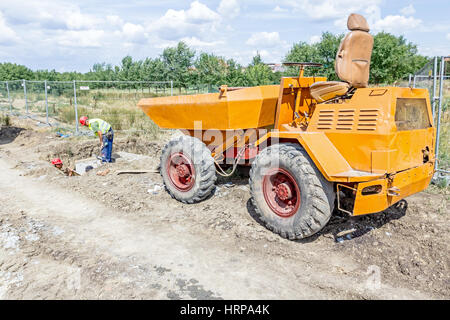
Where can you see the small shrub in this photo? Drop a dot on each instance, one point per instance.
(5, 120)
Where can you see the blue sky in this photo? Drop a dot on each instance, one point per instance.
(73, 35)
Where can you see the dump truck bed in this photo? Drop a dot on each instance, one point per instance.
(252, 107)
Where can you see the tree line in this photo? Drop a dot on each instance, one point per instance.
(393, 58)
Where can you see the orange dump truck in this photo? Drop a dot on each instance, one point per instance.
(313, 145)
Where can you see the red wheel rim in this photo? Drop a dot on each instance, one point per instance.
(281, 192)
(181, 172)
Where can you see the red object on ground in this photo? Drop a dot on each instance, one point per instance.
(56, 161)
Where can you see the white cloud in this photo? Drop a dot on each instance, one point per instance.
(408, 11)
(320, 10)
(199, 13)
(440, 49)
(314, 39)
(267, 56)
(198, 21)
(264, 39)
(80, 38)
(78, 21)
(195, 42)
(7, 35)
(371, 13)
(263, 53)
(278, 9)
(49, 14)
(114, 20)
(229, 8)
(53, 33)
(133, 33)
(396, 24)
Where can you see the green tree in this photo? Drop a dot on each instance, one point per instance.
(257, 73)
(234, 74)
(327, 48)
(177, 62)
(101, 72)
(210, 69)
(323, 52)
(393, 58)
(46, 75)
(130, 70)
(12, 71)
(256, 60)
(153, 70)
(70, 76)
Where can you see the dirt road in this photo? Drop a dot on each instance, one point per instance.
(82, 237)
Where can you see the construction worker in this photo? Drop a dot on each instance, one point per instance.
(103, 130)
(59, 165)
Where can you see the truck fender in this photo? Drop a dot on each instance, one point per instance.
(323, 153)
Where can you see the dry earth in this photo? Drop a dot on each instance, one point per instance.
(121, 236)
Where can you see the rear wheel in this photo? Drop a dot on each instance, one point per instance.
(291, 197)
(188, 170)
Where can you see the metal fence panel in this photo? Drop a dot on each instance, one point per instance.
(435, 76)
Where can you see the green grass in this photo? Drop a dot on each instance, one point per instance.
(5, 120)
(120, 118)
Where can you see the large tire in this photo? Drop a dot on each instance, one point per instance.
(291, 197)
(187, 169)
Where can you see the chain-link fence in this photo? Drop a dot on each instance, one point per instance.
(435, 76)
(59, 103)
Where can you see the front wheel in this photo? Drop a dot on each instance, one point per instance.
(187, 169)
(291, 197)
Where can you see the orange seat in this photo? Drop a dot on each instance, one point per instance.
(352, 63)
(326, 90)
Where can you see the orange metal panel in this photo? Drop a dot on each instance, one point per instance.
(382, 161)
(371, 203)
(407, 182)
(363, 129)
(252, 107)
(286, 102)
(326, 157)
(293, 96)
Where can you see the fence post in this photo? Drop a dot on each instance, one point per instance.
(46, 101)
(414, 83)
(9, 98)
(171, 87)
(438, 129)
(409, 82)
(75, 103)
(434, 86)
(24, 83)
